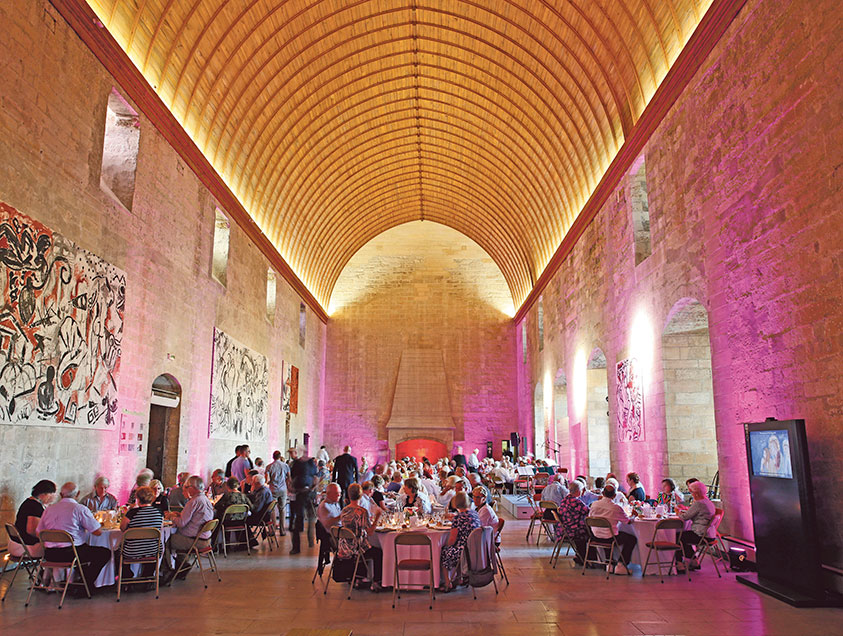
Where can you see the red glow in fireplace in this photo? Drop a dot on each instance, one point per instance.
(419, 448)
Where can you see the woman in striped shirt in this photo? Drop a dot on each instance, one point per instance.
(144, 516)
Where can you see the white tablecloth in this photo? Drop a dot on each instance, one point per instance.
(644, 530)
(111, 539)
(386, 542)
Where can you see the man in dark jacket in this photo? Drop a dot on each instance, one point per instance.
(345, 471)
(459, 458)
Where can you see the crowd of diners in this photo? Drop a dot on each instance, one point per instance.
(322, 492)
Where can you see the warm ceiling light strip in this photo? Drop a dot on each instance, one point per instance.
(711, 28)
(88, 27)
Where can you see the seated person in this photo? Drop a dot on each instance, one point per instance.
(606, 508)
(429, 484)
(69, 515)
(144, 515)
(29, 514)
(669, 495)
(144, 477)
(377, 492)
(161, 502)
(465, 521)
(246, 484)
(636, 490)
(459, 486)
(554, 492)
(448, 490)
(487, 514)
(476, 481)
(261, 498)
(572, 514)
(217, 487)
(700, 513)
(620, 498)
(355, 518)
(395, 484)
(413, 497)
(188, 523)
(99, 498)
(328, 512)
(618, 487)
(232, 496)
(177, 497)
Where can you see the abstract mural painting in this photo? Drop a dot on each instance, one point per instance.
(630, 401)
(239, 391)
(61, 329)
(290, 388)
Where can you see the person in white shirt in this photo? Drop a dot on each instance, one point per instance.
(323, 455)
(488, 517)
(78, 521)
(430, 484)
(413, 496)
(620, 498)
(606, 508)
(329, 510)
(554, 492)
(473, 460)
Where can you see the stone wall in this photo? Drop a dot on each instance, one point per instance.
(52, 120)
(420, 286)
(744, 182)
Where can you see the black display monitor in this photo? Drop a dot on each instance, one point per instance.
(787, 550)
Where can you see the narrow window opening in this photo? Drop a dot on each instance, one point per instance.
(541, 323)
(270, 296)
(120, 150)
(219, 265)
(524, 341)
(639, 202)
(302, 323)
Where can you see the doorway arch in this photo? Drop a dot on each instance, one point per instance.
(561, 425)
(162, 443)
(688, 393)
(539, 426)
(597, 410)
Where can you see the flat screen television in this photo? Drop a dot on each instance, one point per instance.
(770, 453)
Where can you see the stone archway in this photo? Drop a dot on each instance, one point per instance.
(561, 425)
(162, 444)
(688, 394)
(597, 410)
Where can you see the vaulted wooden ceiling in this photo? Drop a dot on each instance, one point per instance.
(333, 121)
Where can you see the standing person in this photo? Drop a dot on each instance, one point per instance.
(303, 504)
(278, 479)
(459, 458)
(473, 461)
(238, 451)
(323, 455)
(242, 465)
(69, 515)
(345, 470)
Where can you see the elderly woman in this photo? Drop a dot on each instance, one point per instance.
(636, 490)
(572, 515)
(29, 514)
(99, 498)
(700, 513)
(161, 502)
(145, 515)
(144, 477)
(669, 495)
(464, 522)
(412, 496)
(177, 496)
(377, 492)
(355, 518)
(217, 487)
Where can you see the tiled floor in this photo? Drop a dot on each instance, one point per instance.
(272, 593)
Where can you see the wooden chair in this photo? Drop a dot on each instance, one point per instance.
(238, 525)
(59, 536)
(26, 561)
(132, 534)
(338, 533)
(670, 525)
(413, 565)
(195, 554)
(501, 523)
(599, 543)
(266, 525)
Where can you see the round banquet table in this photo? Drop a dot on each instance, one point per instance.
(386, 542)
(111, 539)
(644, 530)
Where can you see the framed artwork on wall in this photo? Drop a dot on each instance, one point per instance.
(629, 396)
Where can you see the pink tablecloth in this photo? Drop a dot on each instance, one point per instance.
(111, 539)
(386, 542)
(644, 530)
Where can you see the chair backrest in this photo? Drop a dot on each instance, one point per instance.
(598, 522)
(670, 524)
(267, 513)
(412, 538)
(209, 526)
(501, 523)
(235, 509)
(714, 524)
(58, 536)
(541, 479)
(549, 505)
(13, 533)
(141, 533)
